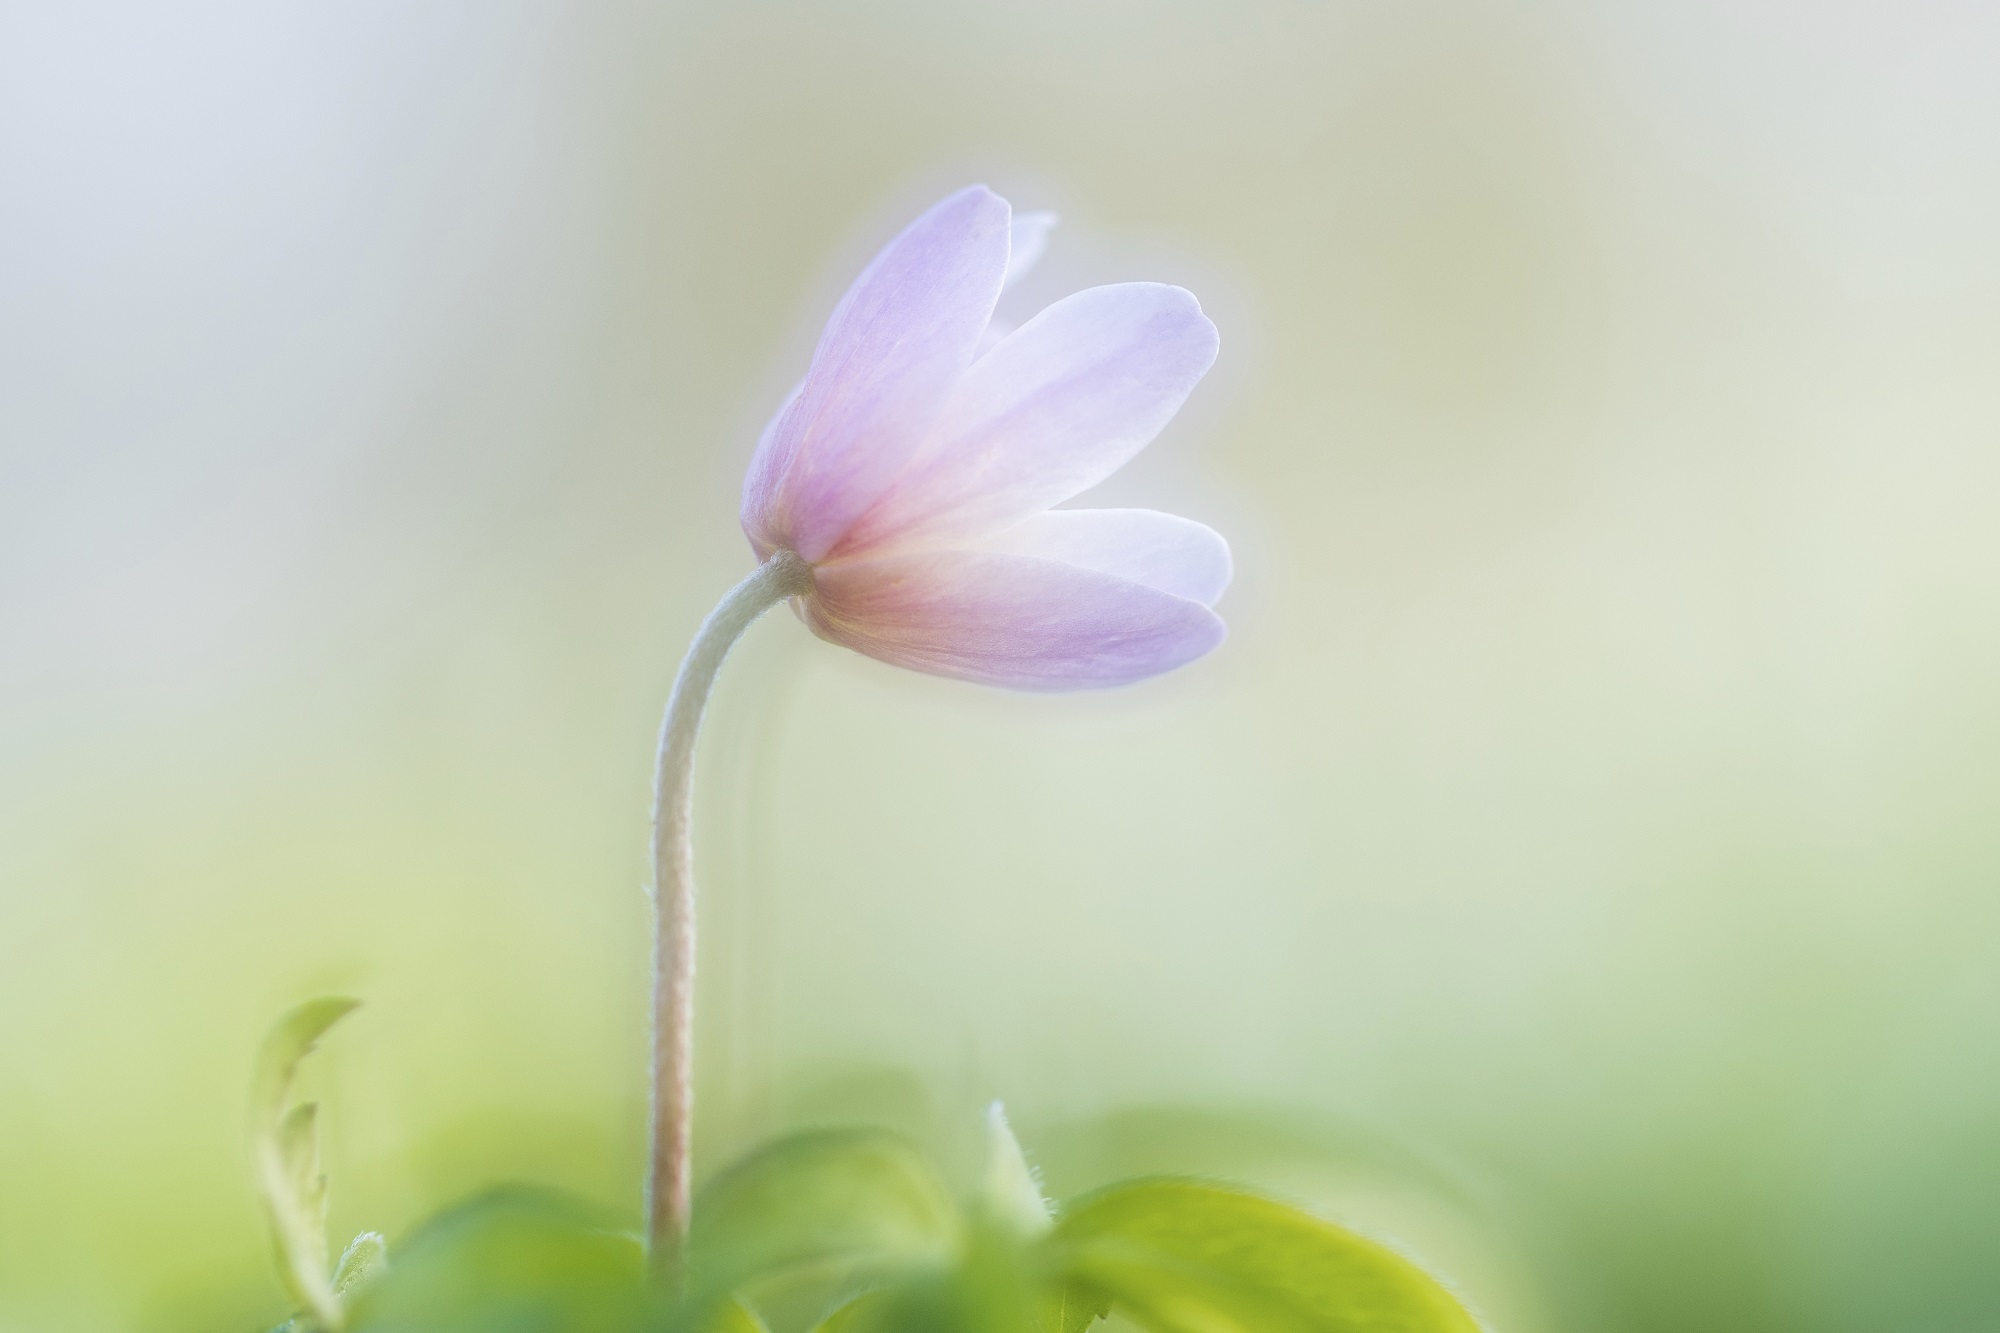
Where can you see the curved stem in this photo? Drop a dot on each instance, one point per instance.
(668, 1175)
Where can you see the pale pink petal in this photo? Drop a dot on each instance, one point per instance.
(1050, 411)
(1008, 620)
(890, 354)
(759, 484)
(1030, 237)
(1163, 551)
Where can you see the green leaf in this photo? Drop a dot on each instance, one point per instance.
(733, 1317)
(1009, 1193)
(365, 1259)
(298, 1153)
(1067, 1307)
(1182, 1257)
(856, 1316)
(988, 1291)
(512, 1261)
(844, 1207)
(285, 1145)
(995, 1288)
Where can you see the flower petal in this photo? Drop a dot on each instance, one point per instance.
(1052, 410)
(760, 484)
(1164, 551)
(1029, 237)
(1009, 620)
(898, 341)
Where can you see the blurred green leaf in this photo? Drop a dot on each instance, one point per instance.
(512, 1261)
(1183, 1257)
(285, 1145)
(854, 1317)
(1067, 1307)
(1009, 1193)
(992, 1288)
(733, 1317)
(832, 1208)
(365, 1259)
(298, 1155)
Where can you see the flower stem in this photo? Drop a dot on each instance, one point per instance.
(668, 1176)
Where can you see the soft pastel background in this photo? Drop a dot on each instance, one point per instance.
(1586, 846)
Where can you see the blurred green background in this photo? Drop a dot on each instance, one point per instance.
(1583, 856)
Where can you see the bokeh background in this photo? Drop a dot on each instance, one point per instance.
(1579, 867)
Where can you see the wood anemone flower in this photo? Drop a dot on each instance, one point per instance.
(915, 468)
(902, 500)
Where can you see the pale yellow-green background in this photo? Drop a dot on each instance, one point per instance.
(1589, 829)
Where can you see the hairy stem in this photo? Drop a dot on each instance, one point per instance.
(669, 1174)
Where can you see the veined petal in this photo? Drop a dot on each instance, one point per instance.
(896, 344)
(1164, 551)
(1028, 238)
(1050, 411)
(1010, 620)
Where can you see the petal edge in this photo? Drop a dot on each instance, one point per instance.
(1010, 620)
(1164, 551)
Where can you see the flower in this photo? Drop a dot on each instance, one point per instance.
(916, 466)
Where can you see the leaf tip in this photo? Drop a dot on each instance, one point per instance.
(1010, 1191)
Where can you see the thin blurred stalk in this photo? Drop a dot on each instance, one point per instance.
(670, 1167)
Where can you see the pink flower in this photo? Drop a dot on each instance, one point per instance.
(915, 468)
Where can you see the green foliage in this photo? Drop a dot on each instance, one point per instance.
(815, 1217)
(365, 1259)
(732, 1316)
(512, 1261)
(834, 1231)
(1009, 1192)
(1179, 1256)
(851, 1232)
(285, 1145)
(1174, 1256)
(1067, 1306)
